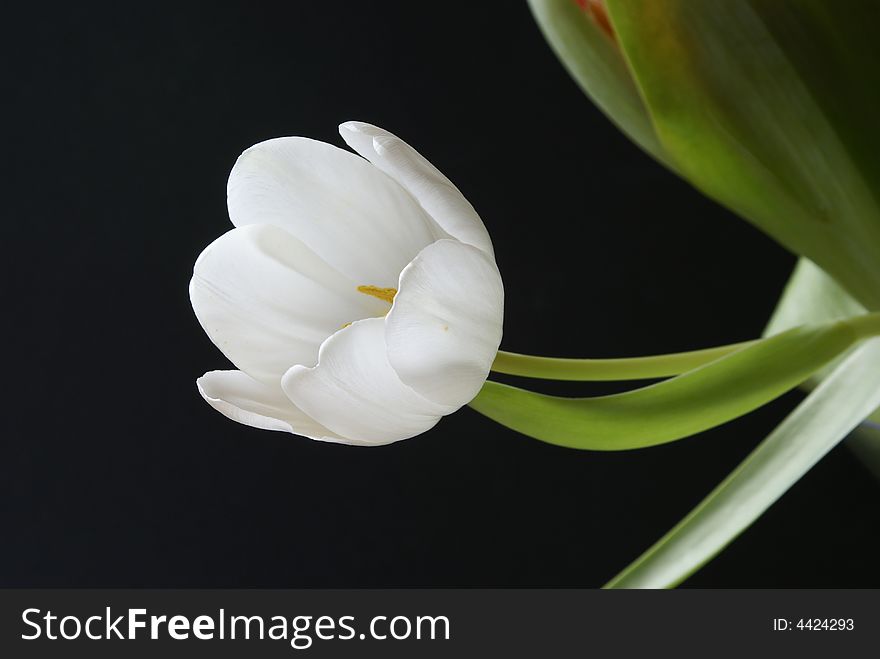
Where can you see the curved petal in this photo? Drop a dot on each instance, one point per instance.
(239, 397)
(354, 391)
(267, 301)
(444, 328)
(348, 212)
(436, 193)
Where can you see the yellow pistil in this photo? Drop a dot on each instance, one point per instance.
(385, 294)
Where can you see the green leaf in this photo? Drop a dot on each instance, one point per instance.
(596, 63)
(811, 296)
(770, 107)
(682, 406)
(825, 417)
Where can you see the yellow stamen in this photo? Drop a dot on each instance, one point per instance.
(385, 294)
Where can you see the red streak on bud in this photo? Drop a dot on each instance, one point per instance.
(597, 11)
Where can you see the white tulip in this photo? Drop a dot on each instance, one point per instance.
(359, 297)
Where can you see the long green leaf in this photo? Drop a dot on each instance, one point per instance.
(827, 415)
(811, 296)
(769, 106)
(690, 403)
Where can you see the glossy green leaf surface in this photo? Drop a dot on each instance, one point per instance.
(825, 417)
(682, 406)
(769, 106)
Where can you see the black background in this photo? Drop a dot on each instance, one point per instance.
(121, 124)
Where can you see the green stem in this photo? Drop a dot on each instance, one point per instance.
(681, 406)
(637, 368)
(627, 368)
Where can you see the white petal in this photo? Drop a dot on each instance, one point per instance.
(268, 302)
(354, 391)
(241, 398)
(436, 193)
(444, 329)
(351, 214)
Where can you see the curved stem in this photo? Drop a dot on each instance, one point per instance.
(627, 368)
(637, 368)
(678, 407)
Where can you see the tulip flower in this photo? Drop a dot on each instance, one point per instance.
(360, 301)
(357, 295)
